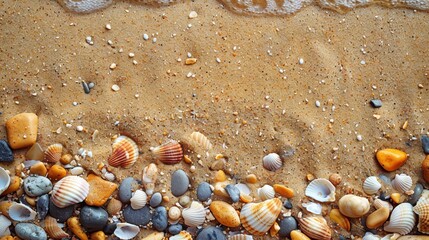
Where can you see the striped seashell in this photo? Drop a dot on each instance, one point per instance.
(201, 140)
(53, 230)
(257, 218)
(4, 180)
(21, 213)
(402, 182)
(272, 162)
(150, 174)
(339, 219)
(126, 230)
(240, 237)
(353, 206)
(138, 200)
(168, 153)
(315, 228)
(371, 185)
(321, 190)
(266, 192)
(69, 190)
(195, 215)
(125, 152)
(422, 209)
(53, 153)
(402, 219)
(378, 203)
(183, 235)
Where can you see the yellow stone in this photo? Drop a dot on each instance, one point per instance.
(414, 237)
(7, 238)
(251, 178)
(245, 198)
(39, 169)
(225, 214)
(22, 130)
(99, 190)
(220, 176)
(15, 184)
(98, 236)
(425, 169)
(56, 172)
(74, 225)
(391, 159)
(66, 159)
(297, 235)
(154, 236)
(274, 229)
(396, 197)
(283, 191)
(377, 218)
(336, 216)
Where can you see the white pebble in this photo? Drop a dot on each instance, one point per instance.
(112, 66)
(301, 61)
(145, 36)
(89, 40)
(79, 128)
(108, 26)
(154, 40)
(317, 103)
(363, 62)
(218, 60)
(115, 87)
(109, 176)
(359, 137)
(76, 171)
(131, 55)
(193, 14)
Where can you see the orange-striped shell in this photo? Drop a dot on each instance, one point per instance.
(315, 228)
(169, 153)
(69, 190)
(53, 230)
(53, 153)
(125, 152)
(257, 218)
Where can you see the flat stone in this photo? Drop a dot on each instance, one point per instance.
(35, 186)
(204, 192)
(61, 214)
(233, 192)
(179, 183)
(29, 231)
(418, 190)
(287, 225)
(425, 144)
(93, 218)
(211, 233)
(376, 103)
(175, 229)
(159, 219)
(139, 217)
(22, 130)
(99, 190)
(35, 153)
(42, 206)
(6, 154)
(155, 200)
(125, 189)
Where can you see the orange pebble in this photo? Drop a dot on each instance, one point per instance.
(66, 159)
(425, 169)
(98, 236)
(284, 191)
(391, 159)
(245, 198)
(39, 169)
(298, 235)
(76, 228)
(396, 197)
(220, 176)
(15, 184)
(251, 178)
(56, 172)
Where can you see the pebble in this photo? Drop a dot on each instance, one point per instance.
(56, 172)
(22, 130)
(125, 189)
(114, 206)
(287, 204)
(377, 218)
(184, 201)
(35, 153)
(79, 128)
(211, 233)
(42, 206)
(425, 169)
(193, 14)
(283, 191)
(29, 231)
(99, 190)
(233, 192)
(155, 200)
(175, 229)
(425, 144)
(86, 88)
(140, 217)
(61, 214)
(204, 192)
(179, 183)
(35, 186)
(93, 218)
(91, 85)
(98, 236)
(145, 36)
(109, 228)
(225, 214)
(6, 154)
(376, 103)
(159, 219)
(287, 225)
(391, 159)
(418, 190)
(298, 235)
(108, 26)
(38, 169)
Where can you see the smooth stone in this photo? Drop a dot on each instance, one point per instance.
(287, 225)
(109, 228)
(179, 183)
(225, 214)
(425, 144)
(99, 190)
(155, 200)
(287, 204)
(42, 206)
(22, 130)
(377, 218)
(418, 190)
(391, 159)
(139, 217)
(6, 154)
(160, 219)
(125, 189)
(61, 214)
(38, 169)
(376, 103)
(35, 153)
(35, 186)
(175, 229)
(233, 192)
(384, 196)
(211, 233)
(93, 218)
(184, 201)
(114, 206)
(29, 231)
(204, 192)
(425, 169)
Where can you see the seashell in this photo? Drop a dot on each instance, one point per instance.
(321, 190)
(21, 213)
(243, 188)
(266, 192)
(195, 215)
(183, 235)
(370, 236)
(313, 207)
(174, 213)
(336, 216)
(126, 230)
(240, 237)
(378, 203)
(422, 209)
(53, 230)
(125, 152)
(53, 153)
(138, 200)
(4, 180)
(4, 226)
(315, 228)
(168, 153)
(69, 190)
(150, 174)
(272, 162)
(371, 185)
(402, 182)
(257, 218)
(353, 206)
(402, 219)
(201, 140)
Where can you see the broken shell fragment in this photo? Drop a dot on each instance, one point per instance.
(168, 153)
(53, 153)
(4, 180)
(150, 174)
(195, 215)
(371, 185)
(183, 235)
(126, 230)
(201, 140)
(240, 237)
(315, 227)
(402, 219)
(321, 190)
(313, 207)
(353, 206)
(402, 182)
(53, 230)
(21, 213)
(69, 190)
(125, 152)
(257, 218)
(378, 203)
(272, 162)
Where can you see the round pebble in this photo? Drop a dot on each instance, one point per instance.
(29, 231)
(93, 218)
(425, 144)
(418, 190)
(376, 103)
(204, 191)
(91, 85)
(125, 189)
(42, 206)
(155, 200)
(35, 186)
(287, 204)
(287, 225)
(233, 192)
(184, 201)
(159, 219)
(211, 233)
(175, 229)
(139, 217)
(6, 154)
(179, 183)
(61, 214)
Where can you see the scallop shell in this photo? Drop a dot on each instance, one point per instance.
(53, 153)
(150, 174)
(340, 219)
(402, 219)
(169, 153)
(4, 226)
(371, 185)
(370, 236)
(272, 162)
(53, 230)
(315, 228)
(378, 203)
(69, 190)
(402, 182)
(422, 209)
(138, 200)
(201, 140)
(21, 213)
(4, 180)
(195, 215)
(257, 218)
(266, 192)
(321, 190)
(126, 230)
(240, 237)
(125, 152)
(353, 206)
(183, 235)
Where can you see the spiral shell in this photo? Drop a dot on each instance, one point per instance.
(378, 203)
(138, 200)
(402, 182)
(69, 190)
(240, 237)
(402, 219)
(125, 152)
(321, 190)
(174, 213)
(353, 206)
(183, 235)
(266, 192)
(126, 230)
(257, 218)
(21, 213)
(315, 228)
(150, 174)
(4, 180)
(422, 209)
(272, 162)
(339, 219)
(53, 230)
(53, 153)
(371, 185)
(195, 215)
(201, 140)
(168, 153)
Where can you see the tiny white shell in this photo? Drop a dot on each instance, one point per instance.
(195, 215)
(321, 190)
(150, 174)
(402, 182)
(21, 212)
(4, 226)
(126, 230)
(370, 236)
(402, 219)
(174, 214)
(272, 162)
(201, 140)
(313, 207)
(4, 180)
(138, 200)
(266, 192)
(243, 188)
(371, 185)
(378, 203)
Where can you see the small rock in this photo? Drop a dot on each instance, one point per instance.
(225, 214)
(287, 225)
(184, 201)
(159, 219)
(42, 206)
(56, 172)
(38, 169)
(175, 229)
(22, 130)
(93, 218)
(425, 144)
(418, 190)
(114, 206)
(377, 218)
(193, 14)
(155, 200)
(109, 228)
(179, 183)
(76, 228)
(99, 190)
(29, 231)
(140, 217)
(204, 192)
(233, 192)
(85, 87)
(35, 153)
(6, 154)
(391, 159)
(287, 204)
(211, 233)
(376, 103)
(425, 169)
(61, 214)
(125, 189)
(35, 186)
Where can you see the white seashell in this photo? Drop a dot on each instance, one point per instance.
(370, 236)
(150, 174)
(321, 190)
(201, 140)
(240, 237)
(4, 226)
(402, 219)
(174, 213)
(183, 235)
(76, 171)
(195, 215)
(138, 200)
(69, 190)
(371, 185)
(313, 207)
(4, 180)
(126, 230)
(353, 206)
(378, 203)
(257, 218)
(402, 182)
(243, 188)
(21, 213)
(266, 192)
(272, 162)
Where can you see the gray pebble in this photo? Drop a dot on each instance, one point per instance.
(418, 189)
(204, 192)
(35, 186)
(287, 225)
(233, 192)
(287, 204)
(62, 214)
(175, 229)
(139, 217)
(376, 103)
(155, 200)
(125, 189)
(93, 218)
(184, 201)
(425, 144)
(85, 87)
(211, 233)
(160, 219)
(29, 231)
(91, 85)
(42, 206)
(6, 154)
(109, 228)
(179, 183)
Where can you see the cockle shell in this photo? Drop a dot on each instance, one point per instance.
(315, 228)
(402, 219)
(201, 140)
(240, 237)
(266, 192)
(138, 200)
(21, 213)
(150, 174)
(125, 152)
(371, 185)
(4, 180)
(422, 209)
(321, 190)
(272, 162)
(69, 190)
(402, 182)
(339, 219)
(4, 226)
(195, 215)
(53, 230)
(53, 153)
(168, 153)
(353, 206)
(183, 235)
(378, 203)
(257, 218)
(126, 230)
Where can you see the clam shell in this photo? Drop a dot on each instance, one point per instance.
(321, 190)
(183, 235)
(138, 200)
(243, 188)
(201, 140)
(371, 185)
(53, 230)
(150, 174)
(257, 218)
(378, 203)
(353, 206)
(315, 228)
(272, 162)
(4, 180)
(266, 192)
(126, 230)
(402, 182)
(240, 237)
(195, 215)
(422, 209)
(53, 153)
(125, 152)
(21, 213)
(169, 153)
(69, 190)
(313, 207)
(402, 219)
(4, 226)
(340, 219)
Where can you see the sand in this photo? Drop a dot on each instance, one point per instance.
(257, 99)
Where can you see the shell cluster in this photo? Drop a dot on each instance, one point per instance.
(125, 152)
